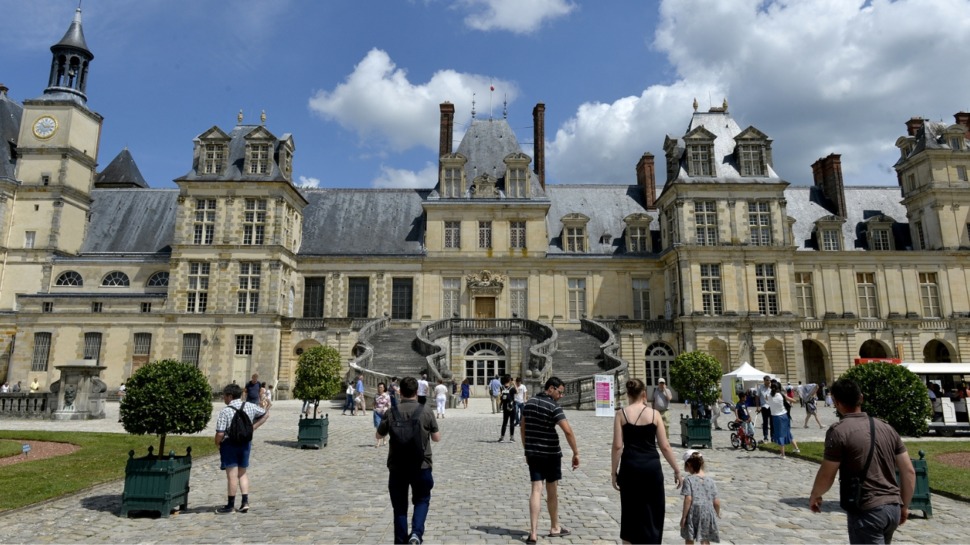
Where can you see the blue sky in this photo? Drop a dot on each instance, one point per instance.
(358, 82)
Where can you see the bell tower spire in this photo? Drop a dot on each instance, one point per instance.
(69, 66)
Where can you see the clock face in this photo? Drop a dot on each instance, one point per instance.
(45, 126)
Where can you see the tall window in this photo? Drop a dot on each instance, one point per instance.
(577, 298)
(450, 297)
(452, 183)
(314, 290)
(705, 216)
(92, 346)
(42, 351)
(402, 299)
(142, 350)
(516, 183)
(198, 292)
(30, 238)
(248, 295)
(244, 345)
(962, 173)
(641, 299)
(452, 234)
(831, 240)
(805, 295)
(575, 239)
(254, 221)
(700, 160)
(191, 344)
(358, 298)
(711, 289)
(519, 297)
(484, 234)
(212, 159)
(517, 234)
(929, 292)
(880, 240)
(920, 235)
(759, 223)
(639, 239)
(767, 289)
(205, 221)
(258, 158)
(752, 160)
(866, 288)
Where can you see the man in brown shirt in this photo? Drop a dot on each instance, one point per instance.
(884, 504)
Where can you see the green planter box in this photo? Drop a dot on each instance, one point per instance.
(313, 432)
(921, 492)
(156, 484)
(695, 432)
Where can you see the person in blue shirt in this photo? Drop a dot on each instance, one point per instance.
(741, 409)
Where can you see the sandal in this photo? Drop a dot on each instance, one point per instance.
(530, 541)
(563, 531)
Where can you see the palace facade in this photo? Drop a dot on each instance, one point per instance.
(238, 270)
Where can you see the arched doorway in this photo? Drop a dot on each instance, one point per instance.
(775, 358)
(873, 349)
(719, 350)
(936, 352)
(659, 356)
(484, 360)
(815, 363)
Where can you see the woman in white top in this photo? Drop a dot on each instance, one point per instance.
(780, 420)
(440, 397)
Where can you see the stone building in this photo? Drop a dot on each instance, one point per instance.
(238, 270)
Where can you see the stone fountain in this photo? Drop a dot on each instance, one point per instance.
(80, 391)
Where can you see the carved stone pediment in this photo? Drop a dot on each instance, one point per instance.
(485, 283)
(484, 187)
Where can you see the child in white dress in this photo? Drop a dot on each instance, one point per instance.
(702, 507)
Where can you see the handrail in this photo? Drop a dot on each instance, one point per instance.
(581, 392)
(364, 356)
(27, 405)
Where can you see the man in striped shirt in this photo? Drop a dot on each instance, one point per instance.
(540, 416)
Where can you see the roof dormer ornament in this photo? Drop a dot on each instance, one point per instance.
(724, 104)
(695, 104)
(262, 117)
(239, 118)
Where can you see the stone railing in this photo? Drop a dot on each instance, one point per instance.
(364, 356)
(581, 392)
(320, 324)
(21, 405)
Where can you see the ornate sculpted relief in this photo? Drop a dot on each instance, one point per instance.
(485, 283)
(484, 187)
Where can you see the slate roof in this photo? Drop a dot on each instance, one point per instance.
(10, 112)
(131, 221)
(363, 222)
(861, 203)
(931, 136)
(121, 172)
(234, 170)
(605, 205)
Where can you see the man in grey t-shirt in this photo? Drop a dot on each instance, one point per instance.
(661, 400)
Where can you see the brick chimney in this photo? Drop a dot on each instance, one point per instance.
(963, 118)
(539, 142)
(827, 172)
(447, 128)
(646, 179)
(914, 125)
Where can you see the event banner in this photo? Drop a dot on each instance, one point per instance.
(604, 395)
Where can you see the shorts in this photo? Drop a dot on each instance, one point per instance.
(231, 455)
(547, 469)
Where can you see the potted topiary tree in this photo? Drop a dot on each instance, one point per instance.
(317, 377)
(695, 376)
(163, 397)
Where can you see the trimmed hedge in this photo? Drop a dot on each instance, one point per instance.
(895, 394)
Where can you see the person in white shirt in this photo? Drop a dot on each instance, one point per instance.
(521, 396)
(440, 398)
(423, 388)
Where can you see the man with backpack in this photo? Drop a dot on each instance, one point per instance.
(411, 430)
(234, 437)
(507, 402)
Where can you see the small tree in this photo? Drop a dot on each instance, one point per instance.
(895, 394)
(695, 376)
(318, 375)
(164, 397)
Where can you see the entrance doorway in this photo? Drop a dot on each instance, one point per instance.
(484, 360)
(484, 307)
(814, 362)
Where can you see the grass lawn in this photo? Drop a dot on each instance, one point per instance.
(944, 479)
(9, 448)
(101, 459)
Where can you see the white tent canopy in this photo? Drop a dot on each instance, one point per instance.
(746, 374)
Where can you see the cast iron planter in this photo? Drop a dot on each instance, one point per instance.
(313, 432)
(695, 432)
(156, 484)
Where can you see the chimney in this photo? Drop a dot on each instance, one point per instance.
(827, 172)
(914, 125)
(3, 90)
(646, 179)
(963, 118)
(539, 142)
(447, 128)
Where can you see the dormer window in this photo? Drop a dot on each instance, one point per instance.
(700, 159)
(517, 176)
(831, 240)
(452, 175)
(637, 233)
(257, 158)
(880, 233)
(956, 143)
(574, 233)
(752, 160)
(213, 158)
(828, 231)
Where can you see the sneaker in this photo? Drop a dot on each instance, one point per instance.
(511, 440)
(225, 510)
(414, 539)
(500, 439)
(244, 508)
(796, 451)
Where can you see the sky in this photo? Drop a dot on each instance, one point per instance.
(358, 82)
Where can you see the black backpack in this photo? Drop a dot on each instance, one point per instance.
(508, 399)
(406, 441)
(240, 429)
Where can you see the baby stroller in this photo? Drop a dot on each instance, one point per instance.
(744, 436)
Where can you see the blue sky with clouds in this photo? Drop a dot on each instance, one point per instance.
(358, 83)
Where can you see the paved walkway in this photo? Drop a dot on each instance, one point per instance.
(338, 494)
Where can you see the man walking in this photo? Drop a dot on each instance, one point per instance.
(848, 443)
(507, 401)
(494, 389)
(234, 456)
(540, 416)
(764, 393)
(661, 400)
(521, 395)
(423, 388)
(409, 466)
(252, 389)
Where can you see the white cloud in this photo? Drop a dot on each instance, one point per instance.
(401, 178)
(378, 101)
(308, 182)
(518, 16)
(817, 76)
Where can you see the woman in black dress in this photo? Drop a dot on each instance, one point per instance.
(637, 432)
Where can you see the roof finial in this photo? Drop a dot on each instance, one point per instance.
(473, 105)
(505, 107)
(695, 104)
(239, 118)
(724, 104)
(262, 117)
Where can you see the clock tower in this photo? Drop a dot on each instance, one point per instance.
(57, 153)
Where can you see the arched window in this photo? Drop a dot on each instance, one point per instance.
(115, 279)
(158, 280)
(484, 360)
(659, 357)
(69, 278)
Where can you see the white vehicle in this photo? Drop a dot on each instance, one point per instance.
(949, 416)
